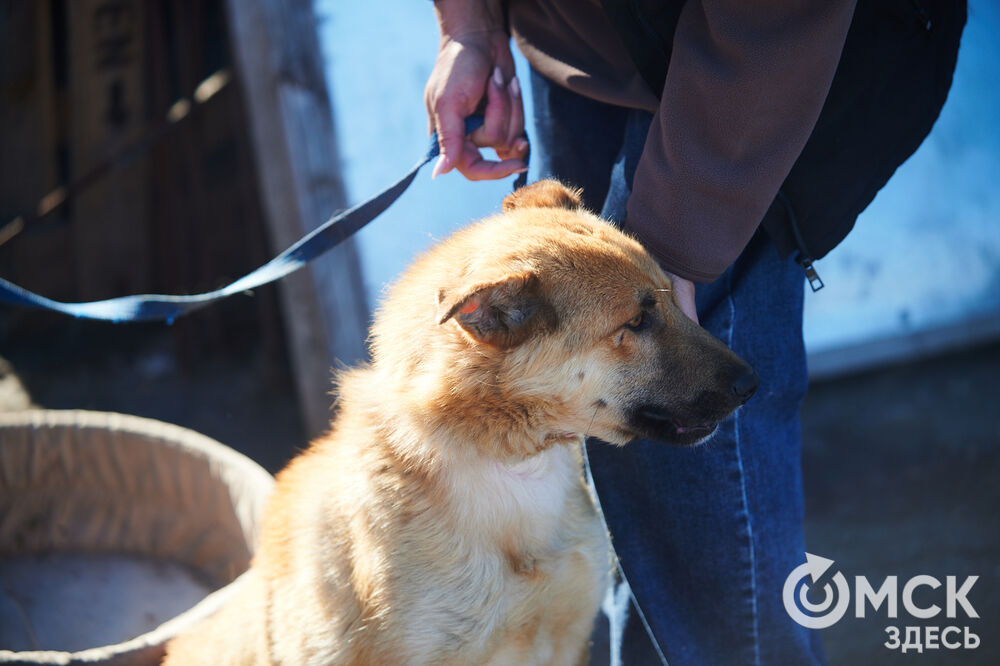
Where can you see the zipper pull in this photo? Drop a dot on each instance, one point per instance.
(802, 258)
(815, 282)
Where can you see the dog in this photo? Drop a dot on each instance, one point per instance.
(444, 518)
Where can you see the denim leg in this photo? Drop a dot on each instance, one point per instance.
(706, 535)
(575, 139)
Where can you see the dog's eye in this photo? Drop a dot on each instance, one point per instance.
(636, 323)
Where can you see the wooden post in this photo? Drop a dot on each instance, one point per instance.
(25, 95)
(276, 52)
(108, 113)
(32, 132)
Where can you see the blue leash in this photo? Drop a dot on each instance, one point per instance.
(160, 307)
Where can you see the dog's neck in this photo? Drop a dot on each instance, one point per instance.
(506, 484)
(521, 449)
(500, 427)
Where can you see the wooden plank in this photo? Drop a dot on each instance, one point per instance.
(21, 165)
(207, 220)
(51, 96)
(108, 114)
(278, 63)
(40, 256)
(179, 215)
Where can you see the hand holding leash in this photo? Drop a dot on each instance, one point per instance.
(474, 72)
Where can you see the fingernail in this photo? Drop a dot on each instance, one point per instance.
(523, 169)
(497, 77)
(438, 168)
(515, 87)
(521, 144)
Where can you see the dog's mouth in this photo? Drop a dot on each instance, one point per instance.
(656, 422)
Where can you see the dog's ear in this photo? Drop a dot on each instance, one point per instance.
(543, 194)
(502, 313)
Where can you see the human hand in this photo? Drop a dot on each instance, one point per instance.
(474, 63)
(683, 291)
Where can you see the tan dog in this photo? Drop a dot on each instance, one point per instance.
(443, 520)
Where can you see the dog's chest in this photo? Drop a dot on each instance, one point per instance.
(528, 497)
(537, 558)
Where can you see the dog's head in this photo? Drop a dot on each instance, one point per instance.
(546, 323)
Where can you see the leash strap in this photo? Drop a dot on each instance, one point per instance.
(160, 307)
(616, 646)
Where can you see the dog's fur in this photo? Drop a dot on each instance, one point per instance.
(443, 519)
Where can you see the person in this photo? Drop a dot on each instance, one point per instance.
(738, 142)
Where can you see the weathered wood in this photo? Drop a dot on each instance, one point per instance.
(206, 217)
(31, 131)
(277, 56)
(21, 87)
(40, 257)
(108, 113)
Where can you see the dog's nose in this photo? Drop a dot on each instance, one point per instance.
(745, 385)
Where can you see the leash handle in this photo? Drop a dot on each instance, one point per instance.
(162, 307)
(472, 123)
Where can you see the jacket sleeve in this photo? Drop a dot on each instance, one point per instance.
(744, 88)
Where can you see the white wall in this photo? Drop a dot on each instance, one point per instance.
(924, 257)
(922, 266)
(379, 55)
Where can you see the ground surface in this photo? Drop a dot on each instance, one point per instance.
(902, 477)
(902, 465)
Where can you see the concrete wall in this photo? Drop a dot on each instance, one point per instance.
(921, 270)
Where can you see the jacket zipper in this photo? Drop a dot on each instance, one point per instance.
(803, 258)
(806, 262)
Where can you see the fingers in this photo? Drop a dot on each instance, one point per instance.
(516, 146)
(474, 167)
(502, 130)
(684, 296)
(493, 132)
(503, 119)
(688, 307)
(451, 137)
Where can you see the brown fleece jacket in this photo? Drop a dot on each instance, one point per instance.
(743, 90)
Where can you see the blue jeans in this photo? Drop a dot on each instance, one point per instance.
(705, 536)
